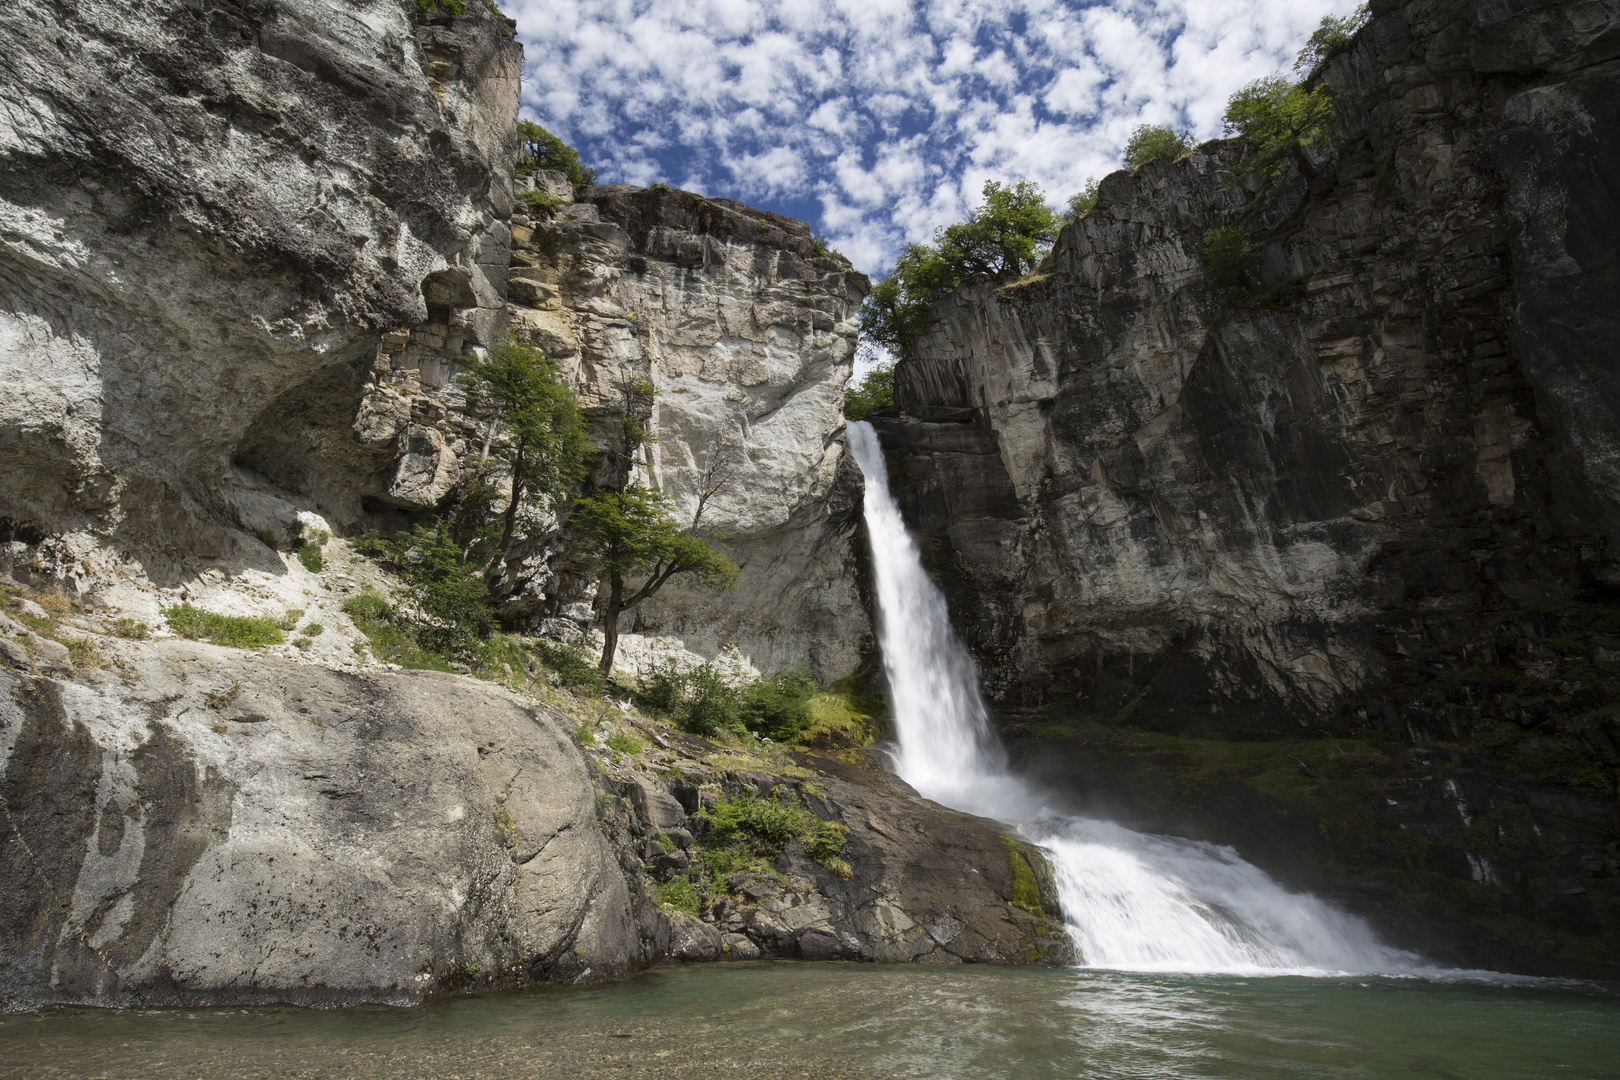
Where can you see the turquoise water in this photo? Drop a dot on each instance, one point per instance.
(845, 1020)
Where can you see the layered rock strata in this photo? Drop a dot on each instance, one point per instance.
(1368, 492)
(211, 214)
(747, 335)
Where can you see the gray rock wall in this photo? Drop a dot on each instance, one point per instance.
(211, 826)
(748, 337)
(211, 216)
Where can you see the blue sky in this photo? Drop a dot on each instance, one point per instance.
(879, 120)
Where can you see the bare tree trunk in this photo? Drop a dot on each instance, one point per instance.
(610, 623)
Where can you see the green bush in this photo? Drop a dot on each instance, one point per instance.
(310, 555)
(762, 826)
(678, 894)
(1230, 257)
(1155, 142)
(710, 706)
(697, 698)
(539, 200)
(242, 633)
(778, 706)
(623, 742)
(1004, 237)
(1331, 38)
(662, 689)
(368, 606)
(1082, 202)
(1280, 120)
(540, 149)
(874, 391)
(573, 666)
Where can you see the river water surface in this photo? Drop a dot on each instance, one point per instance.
(857, 1020)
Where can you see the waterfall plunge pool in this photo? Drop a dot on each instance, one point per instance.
(854, 1020)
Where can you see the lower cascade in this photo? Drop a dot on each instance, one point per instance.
(1132, 901)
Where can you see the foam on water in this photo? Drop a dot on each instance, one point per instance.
(1132, 901)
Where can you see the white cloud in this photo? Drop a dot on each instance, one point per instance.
(880, 119)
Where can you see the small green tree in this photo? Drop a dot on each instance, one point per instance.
(631, 533)
(1230, 257)
(628, 526)
(540, 149)
(1081, 202)
(1330, 38)
(1280, 119)
(1005, 236)
(872, 392)
(542, 447)
(1155, 142)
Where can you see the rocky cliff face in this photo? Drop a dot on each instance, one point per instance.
(211, 215)
(1372, 495)
(748, 337)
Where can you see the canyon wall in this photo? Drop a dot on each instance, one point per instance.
(1369, 494)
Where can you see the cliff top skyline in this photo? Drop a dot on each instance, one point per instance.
(879, 120)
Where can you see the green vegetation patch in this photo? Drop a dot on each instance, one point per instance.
(573, 666)
(1025, 893)
(679, 894)
(237, 632)
(374, 617)
(1155, 142)
(746, 825)
(874, 391)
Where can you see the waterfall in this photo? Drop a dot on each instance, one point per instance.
(1132, 900)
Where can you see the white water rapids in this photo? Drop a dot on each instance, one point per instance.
(1132, 901)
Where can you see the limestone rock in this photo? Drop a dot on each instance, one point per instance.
(223, 827)
(210, 221)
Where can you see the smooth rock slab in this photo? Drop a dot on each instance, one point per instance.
(220, 826)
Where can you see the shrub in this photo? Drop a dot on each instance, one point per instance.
(241, 633)
(874, 391)
(778, 706)
(539, 200)
(710, 706)
(368, 606)
(1005, 236)
(540, 149)
(131, 628)
(622, 742)
(662, 689)
(764, 825)
(1331, 38)
(314, 629)
(452, 605)
(1155, 142)
(1082, 202)
(1230, 257)
(573, 666)
(310, 555)
(1280, 120)
(678, 894)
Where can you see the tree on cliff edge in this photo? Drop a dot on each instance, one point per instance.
(1005, 236)
(628, 525)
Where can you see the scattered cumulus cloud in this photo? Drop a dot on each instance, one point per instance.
(879, 120)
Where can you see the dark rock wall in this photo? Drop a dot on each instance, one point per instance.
(1372, 496)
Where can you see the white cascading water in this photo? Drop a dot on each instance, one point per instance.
(1132, 901)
